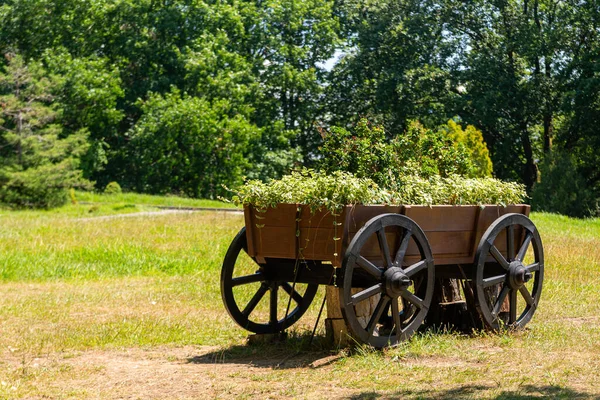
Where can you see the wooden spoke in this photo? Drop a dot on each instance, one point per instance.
(500, 300)
(412, 298)
(384, 247)
(498, 256)
(415, 268)
(510, 243)
(365, 294)
(403, 247)
(255, 300)
(513, 307)
(369, 267)
(243, 280)
(273, 306)
(377, 314)
(396, 316)
(292, 292)
(524, 246)
(494, 280)
(533, 267)
(527, 296)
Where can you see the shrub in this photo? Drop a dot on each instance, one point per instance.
(472, 140)
(113, 188)
(367, 153)
(188, 145)
(333, 190)
(562, 189)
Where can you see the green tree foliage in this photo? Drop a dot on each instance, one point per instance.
(187, 145)
(523, 72)
(89, 96)
(472, 140)
(367, 153)
(563, 189)
(38, 163)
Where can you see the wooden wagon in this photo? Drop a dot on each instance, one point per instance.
(385, 256)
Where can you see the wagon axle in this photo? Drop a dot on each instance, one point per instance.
(518, 274)
(396, 281)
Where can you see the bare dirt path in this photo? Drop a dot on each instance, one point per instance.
(189, 372)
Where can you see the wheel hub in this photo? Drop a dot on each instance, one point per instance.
(395, 281)
(518, 274)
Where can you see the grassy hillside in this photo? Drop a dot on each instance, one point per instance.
(78, 280)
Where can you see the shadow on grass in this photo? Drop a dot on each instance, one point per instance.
(295, 351)
(526, 392)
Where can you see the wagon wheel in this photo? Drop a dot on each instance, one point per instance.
(401, 287)
(244, 289)
(514, 281)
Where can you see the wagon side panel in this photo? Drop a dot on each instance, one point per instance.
(271, 232)
(449, 229)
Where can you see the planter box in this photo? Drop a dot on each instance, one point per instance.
(291, 231)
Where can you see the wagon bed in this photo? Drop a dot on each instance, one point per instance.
(453, 231)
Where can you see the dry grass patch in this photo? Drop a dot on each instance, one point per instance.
(131, 308)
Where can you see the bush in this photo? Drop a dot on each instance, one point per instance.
(43, 187)
(367, 153)
(336, 189)
(188, 145)
(472, 140)
(113, 188)
(562, 189)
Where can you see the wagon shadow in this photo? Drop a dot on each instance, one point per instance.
(296, 352)
(526, 392)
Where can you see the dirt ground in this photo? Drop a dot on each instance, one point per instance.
(173, 373)
(204, 372)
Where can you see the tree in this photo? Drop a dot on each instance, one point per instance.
(187, 145)
(472, 140)
(38, 162)
(89, 94)
(395, 66)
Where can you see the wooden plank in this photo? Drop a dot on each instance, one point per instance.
(249, 231)
(443, 218)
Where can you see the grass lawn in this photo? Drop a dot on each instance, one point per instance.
(95, 304)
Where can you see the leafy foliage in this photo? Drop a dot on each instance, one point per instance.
(563, 189)
(524, 74)
(472, 140)
(367, 153)
(332, 190)
(312, 188)
(38, 164)
(187, 145)
(113, 188)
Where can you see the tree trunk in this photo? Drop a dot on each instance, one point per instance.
(529, 168)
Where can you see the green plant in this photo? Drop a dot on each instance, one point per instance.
(72, 196)
(37, 163)
(366, 152)
(312, 188)
(472, 140)
(563, 189)
(336, 189)
(113, 188)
